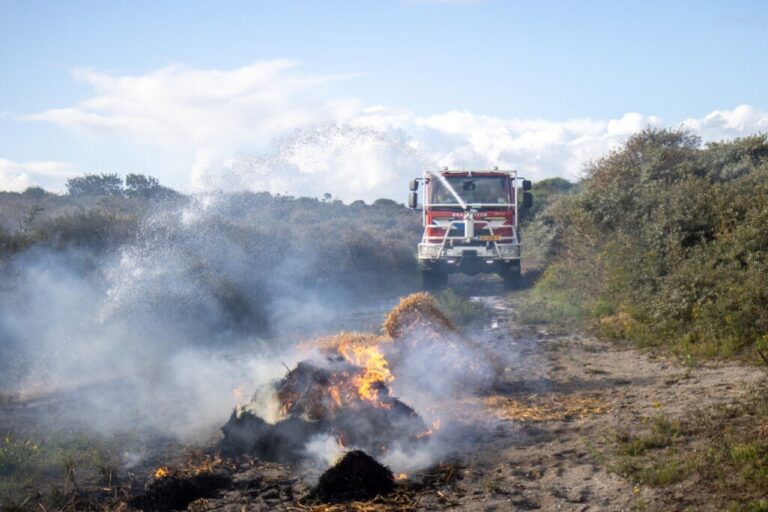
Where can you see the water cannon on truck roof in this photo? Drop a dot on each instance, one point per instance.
(471, 224)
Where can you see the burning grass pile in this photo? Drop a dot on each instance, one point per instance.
(416, 325)
(345, 391)
(356, 477)
(328, 397)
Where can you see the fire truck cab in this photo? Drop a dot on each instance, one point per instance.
(471, 224)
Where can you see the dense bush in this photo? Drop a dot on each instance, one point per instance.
(665, 243)
(537, 224)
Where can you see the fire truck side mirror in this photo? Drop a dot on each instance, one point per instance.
(527, 199)
(413, 200)
(413, 185)
(527, 185)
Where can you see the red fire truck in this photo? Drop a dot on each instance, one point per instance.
(471, 224)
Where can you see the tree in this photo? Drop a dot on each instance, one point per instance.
(35, 192)
(139, 185)
(95, 185)
(386, 203)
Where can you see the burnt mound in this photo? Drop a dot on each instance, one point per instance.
(356, 477)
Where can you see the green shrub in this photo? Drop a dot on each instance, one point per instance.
(671, 236)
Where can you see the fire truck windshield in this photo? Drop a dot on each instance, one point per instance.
(472, 189)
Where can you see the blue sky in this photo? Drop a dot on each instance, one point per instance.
(521, 61)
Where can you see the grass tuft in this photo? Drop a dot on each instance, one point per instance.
(716, 455)
(460, 310)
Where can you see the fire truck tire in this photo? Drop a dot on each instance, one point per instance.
(434, 279)
(512, 280)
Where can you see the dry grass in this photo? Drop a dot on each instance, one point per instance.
(545, 407)
(401, 502)
(196, 463)
(332, 343)
(416, 309)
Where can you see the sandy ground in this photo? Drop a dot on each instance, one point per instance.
(599, 388)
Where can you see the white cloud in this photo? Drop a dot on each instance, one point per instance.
(537, 147)
(16, 176)
(187, 106)
(726, 124)
(269, 126)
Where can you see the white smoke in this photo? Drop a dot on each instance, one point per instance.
(324, 450)
(155, 335)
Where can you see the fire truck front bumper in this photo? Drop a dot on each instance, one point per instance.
(470, 259)
(496, 251)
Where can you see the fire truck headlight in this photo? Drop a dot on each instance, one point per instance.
(430, 251)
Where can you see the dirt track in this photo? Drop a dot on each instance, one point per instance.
(599, 388)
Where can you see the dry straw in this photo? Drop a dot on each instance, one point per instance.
(545, 407)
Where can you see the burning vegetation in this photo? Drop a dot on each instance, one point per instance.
(326, 397)
(343, 392)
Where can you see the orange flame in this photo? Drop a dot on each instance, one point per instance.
(161, 472)
(238, 394)
(374, 365)
(401, 476)
(429, 432)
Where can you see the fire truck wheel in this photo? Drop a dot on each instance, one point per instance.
(434, 279)
(512, 280)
